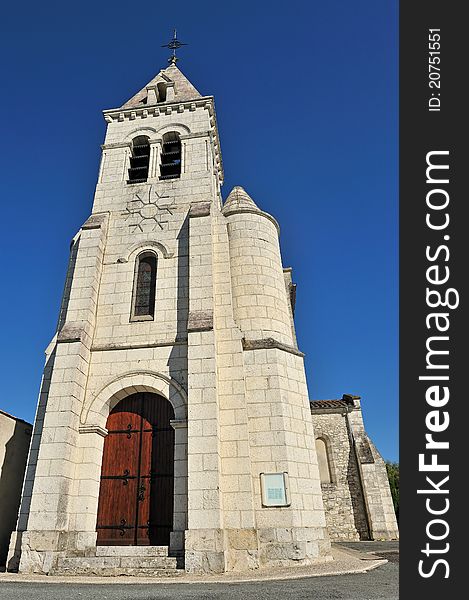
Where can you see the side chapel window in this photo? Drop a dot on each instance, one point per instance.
(144, 287)
(323, 461)
(140, 160)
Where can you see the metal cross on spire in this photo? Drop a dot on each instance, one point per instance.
(173, 45)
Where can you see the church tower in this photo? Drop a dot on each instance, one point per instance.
(173, 420)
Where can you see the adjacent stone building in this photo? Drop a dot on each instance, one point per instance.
(355, 488)
(15, 437)
(174, 423)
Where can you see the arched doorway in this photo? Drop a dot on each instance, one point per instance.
(136, 494)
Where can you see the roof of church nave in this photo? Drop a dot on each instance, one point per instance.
(183, 88)
(345, 401)
(328, 403)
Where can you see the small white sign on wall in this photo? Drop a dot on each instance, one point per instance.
(274, 489)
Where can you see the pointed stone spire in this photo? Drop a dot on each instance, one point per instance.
(176, 85)
(239, 199)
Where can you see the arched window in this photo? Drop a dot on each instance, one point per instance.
(140, 160)
(143, 305)
(323, 461)
(170, 167)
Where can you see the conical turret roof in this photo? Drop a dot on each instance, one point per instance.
(183, 88)
(238, 199)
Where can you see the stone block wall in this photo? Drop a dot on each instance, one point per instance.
(281, 439)
(343, 497)
(240, 538)
(358, 499)
(260, 301)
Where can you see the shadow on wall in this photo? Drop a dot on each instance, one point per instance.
(357, 497)
(177, 362)
(177, 365)
(15, 437)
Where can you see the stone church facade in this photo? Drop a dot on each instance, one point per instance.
(174, 425)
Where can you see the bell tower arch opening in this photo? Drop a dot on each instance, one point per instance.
(140, 160)
(170, 167)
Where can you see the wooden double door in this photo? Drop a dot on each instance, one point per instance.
(136, 494)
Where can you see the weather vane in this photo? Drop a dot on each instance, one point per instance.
(173, 45)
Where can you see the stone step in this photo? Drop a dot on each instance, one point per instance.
(131, 550)
(118, 571)
(155, 566)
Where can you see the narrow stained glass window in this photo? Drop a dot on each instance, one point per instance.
(145, 286)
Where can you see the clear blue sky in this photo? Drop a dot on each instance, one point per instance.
(306, 96)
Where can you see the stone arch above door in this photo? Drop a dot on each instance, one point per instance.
(97, 408)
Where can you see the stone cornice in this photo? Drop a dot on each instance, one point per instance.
(190, 136)
(93, 429)
(213, 122)
(107, 347)
(95, 221)
(339, 410)
(268, 344)
(116, 145)
(199, 209)
(157, 109)
(72, 331)
(178, 423)
(200, 320)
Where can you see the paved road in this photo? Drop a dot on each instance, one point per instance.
(376, 547)
(378, 584)
(389, 550)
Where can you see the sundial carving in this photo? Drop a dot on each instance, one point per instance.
(148, 210)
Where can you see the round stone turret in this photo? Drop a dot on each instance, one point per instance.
(259, 295)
